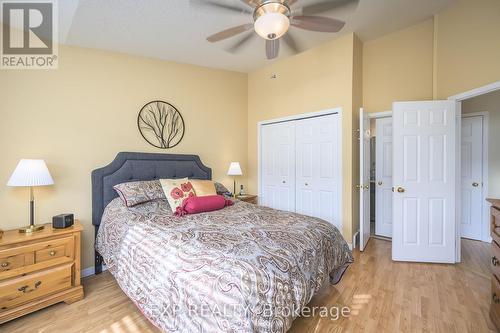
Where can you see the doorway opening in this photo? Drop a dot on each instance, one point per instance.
(480, 112)
(381, 175)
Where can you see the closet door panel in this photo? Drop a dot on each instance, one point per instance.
(278, 166)
(305, 171)
(318, 168)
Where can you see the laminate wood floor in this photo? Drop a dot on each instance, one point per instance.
(383, 296)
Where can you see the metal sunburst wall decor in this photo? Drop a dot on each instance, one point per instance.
(161, 124)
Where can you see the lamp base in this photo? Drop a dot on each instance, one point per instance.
(31, 228)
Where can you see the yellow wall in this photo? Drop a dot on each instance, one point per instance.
(491, 103)
(456, 51)
(357, 103)
(468, 46)
(318, 79)
(398, 67)
(78, 117)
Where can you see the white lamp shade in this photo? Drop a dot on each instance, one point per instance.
(30, 173)
(272, 25)
(234, 169)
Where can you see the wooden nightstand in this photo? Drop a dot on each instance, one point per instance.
(39, 269)
(248, 198)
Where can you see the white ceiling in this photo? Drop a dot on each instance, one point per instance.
(176, 30)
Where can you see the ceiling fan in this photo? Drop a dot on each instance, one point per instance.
(272, 20)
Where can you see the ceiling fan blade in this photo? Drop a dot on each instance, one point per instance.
(243, 41)
(229, 32)
(208, 3)
(291, 42)
(272, 48)
(317, 23)
(326, 6)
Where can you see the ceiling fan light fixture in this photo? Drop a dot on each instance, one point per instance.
(272, 25)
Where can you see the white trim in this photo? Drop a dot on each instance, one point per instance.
(458, 181)
(384, 114)
(301, 116)
(337, 110)
(476, 92)
(90, 271)
(485, 224)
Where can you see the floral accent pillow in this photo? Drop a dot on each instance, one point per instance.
(138, 192)
(176, 190)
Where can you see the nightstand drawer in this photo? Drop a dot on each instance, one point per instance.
(15, 261)
(62, 247)
(24, 289)
(495, 259)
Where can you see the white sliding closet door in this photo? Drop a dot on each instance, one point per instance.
(317, 168)
(278, 166)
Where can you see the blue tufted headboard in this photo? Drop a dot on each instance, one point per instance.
(128, 167)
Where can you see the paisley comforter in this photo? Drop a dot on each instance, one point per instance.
(244, 268)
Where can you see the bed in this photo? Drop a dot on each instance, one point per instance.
(244, 268)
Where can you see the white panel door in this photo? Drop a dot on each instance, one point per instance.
(364, 178)
(424, 177)
(472, 176)
(278, 166)
(318, 168)
(383, 178)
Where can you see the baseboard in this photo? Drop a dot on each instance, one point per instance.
(355, 239)
(90, 271)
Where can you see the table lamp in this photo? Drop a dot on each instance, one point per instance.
(234, 170)
(31, 173)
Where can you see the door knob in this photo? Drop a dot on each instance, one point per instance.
(306, 184)
(400, 189)
(475, 184)
(367, 187)
(379, 182)
(284, 182)
(494, 261)
(358, 186)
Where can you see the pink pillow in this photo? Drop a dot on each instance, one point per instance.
(195, 205)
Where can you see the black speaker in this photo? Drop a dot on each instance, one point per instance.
(62, 221)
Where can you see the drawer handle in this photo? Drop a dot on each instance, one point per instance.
(495, 298)
(52, 253)
(494, 261)
(25, 289)
(5, 264)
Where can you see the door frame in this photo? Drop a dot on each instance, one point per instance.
(373, 115)
(485, 218)
(383, 115)
(326, 112)
(458, 98)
